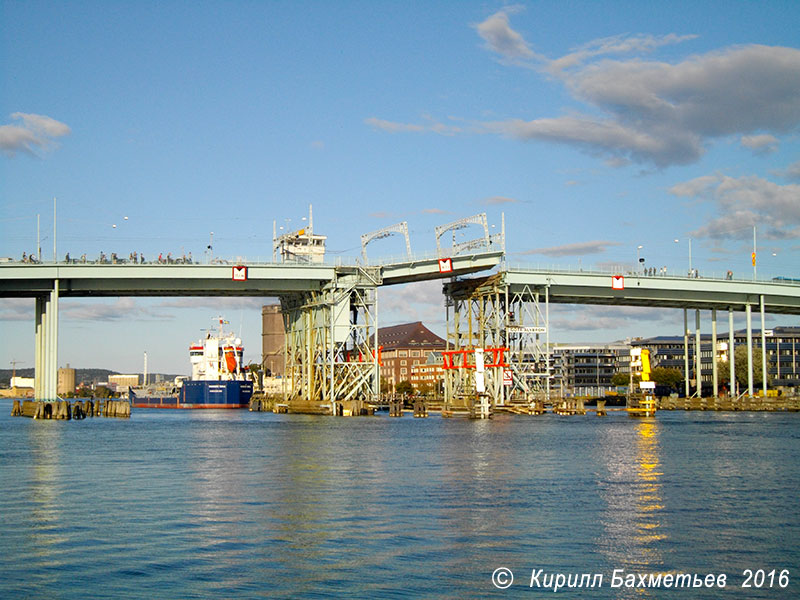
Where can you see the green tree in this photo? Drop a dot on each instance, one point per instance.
(740, 357)
(671, 378)
(385, 386)
(425, 388)
(405, 388)
(624, 379)
(620, 379)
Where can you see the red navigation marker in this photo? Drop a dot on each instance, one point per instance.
(617, 282)
(240, 273)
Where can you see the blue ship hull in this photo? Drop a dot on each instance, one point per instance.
(201, 394)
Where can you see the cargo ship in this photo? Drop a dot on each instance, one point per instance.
(219, 380)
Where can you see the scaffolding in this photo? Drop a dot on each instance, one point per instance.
(332, 344)
(510, 325)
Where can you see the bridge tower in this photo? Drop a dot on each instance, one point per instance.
(488, 313)
(331, 344)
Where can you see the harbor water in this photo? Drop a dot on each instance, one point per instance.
(234, 504)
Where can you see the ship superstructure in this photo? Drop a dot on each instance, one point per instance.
(219, 377)
(218, 357)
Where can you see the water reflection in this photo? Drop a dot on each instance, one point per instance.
(45, 519)
(634, 518)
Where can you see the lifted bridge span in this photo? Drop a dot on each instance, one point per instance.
(330, 311)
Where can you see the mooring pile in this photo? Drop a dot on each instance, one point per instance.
(64, 410)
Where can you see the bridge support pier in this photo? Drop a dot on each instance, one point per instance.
(732, 354)
(698, 370)
(687, 388)
(714, 378)
(46, 346)
(331, 344)
(763, 348)
(749, 313)
(510, 323)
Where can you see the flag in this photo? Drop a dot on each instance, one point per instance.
(754, 259)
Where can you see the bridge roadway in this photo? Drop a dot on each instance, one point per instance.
(570, 287)
(271, 279)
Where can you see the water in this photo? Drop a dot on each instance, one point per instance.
(233, 504)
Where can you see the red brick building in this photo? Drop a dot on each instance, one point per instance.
(406, 350)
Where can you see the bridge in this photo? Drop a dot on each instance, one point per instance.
(510, 309)
(331, 311)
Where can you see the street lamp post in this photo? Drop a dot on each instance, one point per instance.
(639, 259)
(690, 254)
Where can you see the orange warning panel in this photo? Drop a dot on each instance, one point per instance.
(465, 359)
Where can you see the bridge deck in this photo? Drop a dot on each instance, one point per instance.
(94, 279)
(660, 291)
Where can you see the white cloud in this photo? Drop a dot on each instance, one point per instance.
(743, 202)
(502, 39)
(431, 126)
(611, 318)
(646, 111)
(412, 302)
(577, 249)
(16, 309)
(219, 304)
(391, 126)
(496, 200)
(664, 114)
(792, 172)
(32, 133)
(760, 144)
(121, 309)
(434, 211)
(618, 44)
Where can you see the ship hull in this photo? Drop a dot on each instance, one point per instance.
(201, 394)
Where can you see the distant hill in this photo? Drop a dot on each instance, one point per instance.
(81, 375)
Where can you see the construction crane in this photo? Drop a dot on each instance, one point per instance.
(14, 364)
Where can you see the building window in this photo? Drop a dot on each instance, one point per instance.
(403, 371)
(402, 362)
(403, 353)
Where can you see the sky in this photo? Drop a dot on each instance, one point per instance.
(601, 132)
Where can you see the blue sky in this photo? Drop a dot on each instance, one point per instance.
(594, 127)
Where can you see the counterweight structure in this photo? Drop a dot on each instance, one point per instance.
(510, 325)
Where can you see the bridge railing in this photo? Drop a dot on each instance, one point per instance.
(335, 260)
(648, 273)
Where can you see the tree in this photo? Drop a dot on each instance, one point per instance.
(385, 386)
(740, 357)
(671, 378)
(620, 379)
(624, 379)
(425, 388)
(405, 388)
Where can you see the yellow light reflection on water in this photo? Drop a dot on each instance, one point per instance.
(633, 521)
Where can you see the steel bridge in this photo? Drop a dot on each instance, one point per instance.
(331, 311)
(509, 310)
